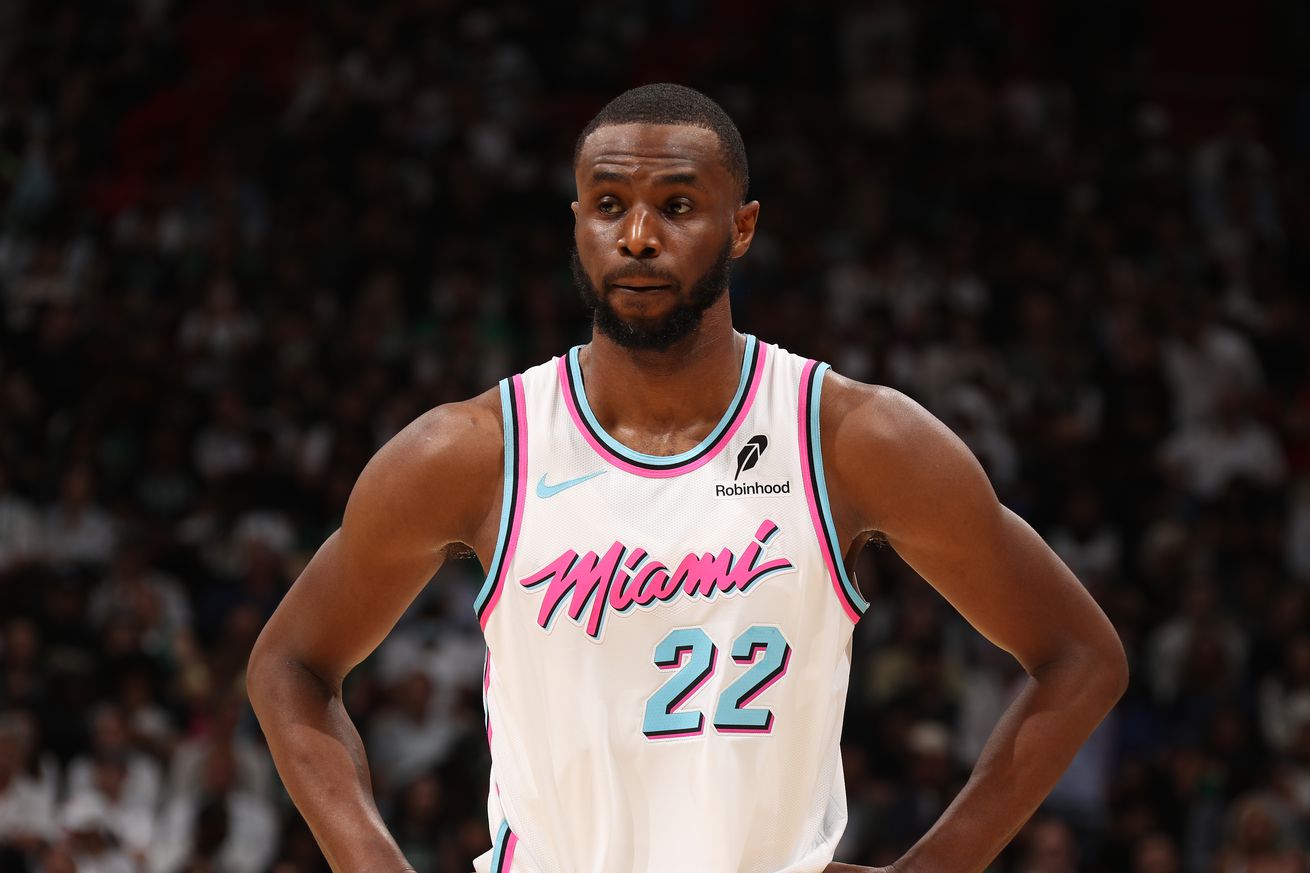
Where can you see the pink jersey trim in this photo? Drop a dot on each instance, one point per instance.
(810, 497)
(486, 694)
(511, 843)
(617, 461)
(521, 489)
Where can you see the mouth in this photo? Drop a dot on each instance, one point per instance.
(638, 287)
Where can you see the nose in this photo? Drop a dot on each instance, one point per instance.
(639, 238)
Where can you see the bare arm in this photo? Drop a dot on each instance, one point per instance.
(898, 470)
(435, 483)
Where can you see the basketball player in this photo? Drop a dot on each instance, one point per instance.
(667, 517)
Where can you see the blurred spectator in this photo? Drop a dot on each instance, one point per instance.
(1235, 192)
(26, 808)
(1260, 839)
(128, 821)
(1204, 361)
(92, 838)
(931, 781)
(57, 859)
(991, 684)
(408, 736)
(1197, 645)
(140, 784)
(1285, 696)
(1296, 773)
(219, 739)
(216, 821)
(1048, 847)
(20, 530)
(1085, 540)
(135, 592)
(77, 529)
(421, 824)
(221, 328)
(1199, 628)
(1208, 454)
(23, 680)
(1156, 854)
(1298, 533)
(1082, 794)
(222, 448)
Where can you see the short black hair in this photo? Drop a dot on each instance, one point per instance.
(666, 103)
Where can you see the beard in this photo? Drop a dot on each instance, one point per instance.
(662, 333)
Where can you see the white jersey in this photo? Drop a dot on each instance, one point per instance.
(668, 638)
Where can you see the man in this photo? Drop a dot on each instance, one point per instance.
(667, 516)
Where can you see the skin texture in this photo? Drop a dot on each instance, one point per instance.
(655, 207)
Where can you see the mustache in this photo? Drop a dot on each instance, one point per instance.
(638, 270)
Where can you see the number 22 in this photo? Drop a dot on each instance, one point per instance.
(691, 649)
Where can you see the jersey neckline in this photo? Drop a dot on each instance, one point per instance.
(660, 466)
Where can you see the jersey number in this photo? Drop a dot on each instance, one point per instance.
(690, 649)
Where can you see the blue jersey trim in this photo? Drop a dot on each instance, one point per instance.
(498, 850)
(507, 414)
(575, 374)
(821, 493)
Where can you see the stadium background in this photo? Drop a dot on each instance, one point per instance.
(242, 243)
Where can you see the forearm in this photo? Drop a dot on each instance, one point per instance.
(321, 760)
(1027, 752)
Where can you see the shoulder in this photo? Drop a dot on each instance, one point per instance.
(892, 460)
(447, 437)
(439, 476)
(465, 426)
(875, 415)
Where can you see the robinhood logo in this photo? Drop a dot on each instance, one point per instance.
(747, 458)
(750, 453)
(753, 489)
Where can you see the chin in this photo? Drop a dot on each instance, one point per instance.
(650, 334)
(642, 313)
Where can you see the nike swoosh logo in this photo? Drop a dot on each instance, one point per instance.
(544, 490)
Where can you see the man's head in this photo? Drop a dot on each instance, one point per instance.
(669, 104)
(662, 176)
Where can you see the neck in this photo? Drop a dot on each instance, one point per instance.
(665, 401)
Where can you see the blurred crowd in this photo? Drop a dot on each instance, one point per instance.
(243, 242)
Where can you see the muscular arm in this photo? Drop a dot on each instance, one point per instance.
(898, 470)
(435, 483)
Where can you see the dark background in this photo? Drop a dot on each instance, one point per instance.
(243, 243)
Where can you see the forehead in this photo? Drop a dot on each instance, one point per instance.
(635, 148)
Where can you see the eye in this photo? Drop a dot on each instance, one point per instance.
(608, 206)
(678, 207)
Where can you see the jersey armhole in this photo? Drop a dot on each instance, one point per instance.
(515, 427)
(816, 490)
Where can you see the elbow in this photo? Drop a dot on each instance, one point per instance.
(1096, 672)
(268, 670)
(277, 675)
(1116, 671)
(258, 676)
(1106, 671)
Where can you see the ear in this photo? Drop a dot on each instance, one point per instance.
(743, 227)
(574, 207)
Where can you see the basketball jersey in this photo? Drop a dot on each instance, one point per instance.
(668, 638)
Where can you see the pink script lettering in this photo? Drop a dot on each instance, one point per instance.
(591, 585)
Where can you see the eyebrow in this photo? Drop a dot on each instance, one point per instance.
(682, 178)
